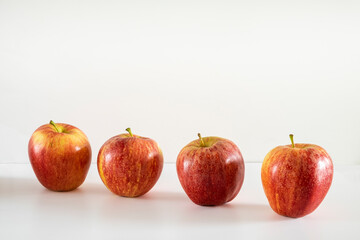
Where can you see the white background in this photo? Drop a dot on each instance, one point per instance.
(249, 71)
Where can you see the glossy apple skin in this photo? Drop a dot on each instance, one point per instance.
(296, 180)
(211, 175)
(130, 166)
(60, 161)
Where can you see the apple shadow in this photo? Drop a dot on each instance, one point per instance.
(176, 207)
(164, 196)
(93, 198)
(237, 212)
(229, 212)
(92, 188)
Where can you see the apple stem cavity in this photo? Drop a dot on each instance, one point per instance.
(129, 131)
(292, 140)
(202, 144)
(56, 128)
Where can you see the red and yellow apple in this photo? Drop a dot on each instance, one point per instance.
(296, 178)
(210, 170)
(130, 165)
(60, 155)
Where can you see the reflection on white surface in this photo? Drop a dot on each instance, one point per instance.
(30, 211)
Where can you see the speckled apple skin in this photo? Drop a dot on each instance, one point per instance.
(211, 175)
(60, 161)
(296, 180)
(130, 166)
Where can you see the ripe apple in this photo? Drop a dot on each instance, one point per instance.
(210, 170)
(60, 155)
(130, 165)
(296, 178)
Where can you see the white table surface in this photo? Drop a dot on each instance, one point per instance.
(29, 211)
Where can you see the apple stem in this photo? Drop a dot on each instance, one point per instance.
(201, 140)
(129, 131)
(52, 123)
(292, 140)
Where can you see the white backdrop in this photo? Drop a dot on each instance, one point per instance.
(249, 71)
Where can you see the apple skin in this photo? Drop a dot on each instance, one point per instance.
(296, 179)
(211, 174)
(130, 166)
(60, 160)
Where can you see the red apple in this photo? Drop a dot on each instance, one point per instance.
(296, 178)
(210, 170)
(60, 155)
(130, 165)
